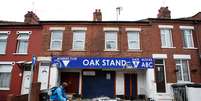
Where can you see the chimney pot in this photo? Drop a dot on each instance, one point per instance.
(31, 18)
(97, 16)
(164, 13)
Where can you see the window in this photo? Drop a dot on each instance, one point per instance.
(110, 40)
(3, 41)
(56, 40)
(166, 38)
(22, 45)
(78, 40)
(182, 70)
(5, 76)
(188, 38)
(133, 40)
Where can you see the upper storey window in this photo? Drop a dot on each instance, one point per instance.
(22, 42)
(3, 41)
(187, 36)
(133, 35)
(166, 36)
(111, 39)
(56, 38)
(79, 34)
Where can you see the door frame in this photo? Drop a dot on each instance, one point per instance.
(130, 84)
(165, 80)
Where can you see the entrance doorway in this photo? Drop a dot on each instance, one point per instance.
(160, 75)
(72, 78)
(26, 79)
(130, 85)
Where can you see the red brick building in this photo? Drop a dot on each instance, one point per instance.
(174, 44)
(18, 42)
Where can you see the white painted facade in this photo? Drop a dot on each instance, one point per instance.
(119, 83)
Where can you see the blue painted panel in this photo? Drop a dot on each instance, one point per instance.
(127, 85)
(99, 85)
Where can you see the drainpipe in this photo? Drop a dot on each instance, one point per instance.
(197, 32)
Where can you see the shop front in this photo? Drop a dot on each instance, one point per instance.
(93, 77)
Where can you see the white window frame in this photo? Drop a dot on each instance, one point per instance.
(79, 29)
(5, 39)
(166, 27)
(51, 40)
(116, 42)
(138, 37)
(190, 28)
(111, 29)
(10, 71)
(22, 39)
(181, 67)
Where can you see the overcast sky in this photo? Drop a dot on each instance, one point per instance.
(14, 10)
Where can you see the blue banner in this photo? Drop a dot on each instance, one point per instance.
(103, 62)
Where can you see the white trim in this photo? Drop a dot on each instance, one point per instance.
(159, 56)
(6, 62)
(4, 88)
(190, 48)
(57, 28)
(78, 28)
(8, 32)
(43, 58)
(29, 32)
(166, 26)
(167, 47)
(180, 56)
(186, 27)
(20, 53)
(133, 29)
(111, 29)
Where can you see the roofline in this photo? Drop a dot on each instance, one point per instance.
(179, 19)
(36, 26)
(95, 22)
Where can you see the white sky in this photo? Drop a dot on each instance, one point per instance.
(14, 10)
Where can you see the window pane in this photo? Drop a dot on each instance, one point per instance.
(23, 36)
(57, 35)
(188, 39)
(110, 45)
(22, 46)
(159, 61)
(133, 40)
(3, 36)
(111, 35)
(4, 80)
(56, 45)
(185, 70)
(78, 45)
(2, 46)
(178, 68)
(166, 37)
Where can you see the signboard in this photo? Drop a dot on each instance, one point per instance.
(102, 62)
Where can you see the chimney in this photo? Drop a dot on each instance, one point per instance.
(31, 18)
(164, 13)
(97, 16)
